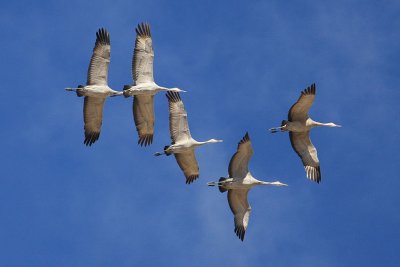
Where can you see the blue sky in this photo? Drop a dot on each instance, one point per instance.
(243, 65)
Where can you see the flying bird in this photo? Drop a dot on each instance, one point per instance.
(239, 183)
(299, 125)
(144, 87)
(183, 145)
(96, 89)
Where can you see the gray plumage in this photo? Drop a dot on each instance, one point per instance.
(182, 144)
(299, 125)
(238, 185)
(96, 90)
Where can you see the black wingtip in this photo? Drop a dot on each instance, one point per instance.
(313, 173)
(190, 179)
(143, 29)
(245, 138)
(310, 90)
(240, 232)
(173, 96)
(102, 37)
(145, 140)
(318, 175)
(91, 138)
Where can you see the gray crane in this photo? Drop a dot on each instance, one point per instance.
(183, 145)
(239, 183)
(144, 87)
(96, 89)
(299, 125)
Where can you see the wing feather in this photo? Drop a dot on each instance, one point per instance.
(188, 164)
(299, 110)
(238, 166)
(178, 123)
(143, 114)
(241, 209)
(301, 143)
(98, 67)
(143, 55)
(93, 117)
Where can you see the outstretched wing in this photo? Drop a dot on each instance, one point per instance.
(143, 55)
(98, 67)
(238, 166)
(240, 208)
(93, 117)
(188, 164)
(143, 114)
(301, 143)
(178, 123)
(299, 110)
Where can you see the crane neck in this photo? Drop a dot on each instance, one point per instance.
(200, 143)
(322, 124)
(276, 183)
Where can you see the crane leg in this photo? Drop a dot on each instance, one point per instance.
(276, 129)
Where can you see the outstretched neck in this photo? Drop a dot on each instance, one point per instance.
(173, 89)
(328, 124)
(276, 183)
(208, 142)
(160, 88)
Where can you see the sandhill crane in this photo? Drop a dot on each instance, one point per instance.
(239, 183)
(96, 90)
(144, 87)
(299, 125)
(183, 145)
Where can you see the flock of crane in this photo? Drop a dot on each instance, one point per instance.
(240, 180)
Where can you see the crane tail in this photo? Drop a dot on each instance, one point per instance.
(79, 92)
(221, 188)
(165, 151)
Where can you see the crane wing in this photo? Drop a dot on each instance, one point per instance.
(188, 164)
(143, 114)
(238, 166)
(299, 110)
(143, 55)
(240, 208)
(98, 67)
(301, 143)
(178, 123)
(93, 117)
